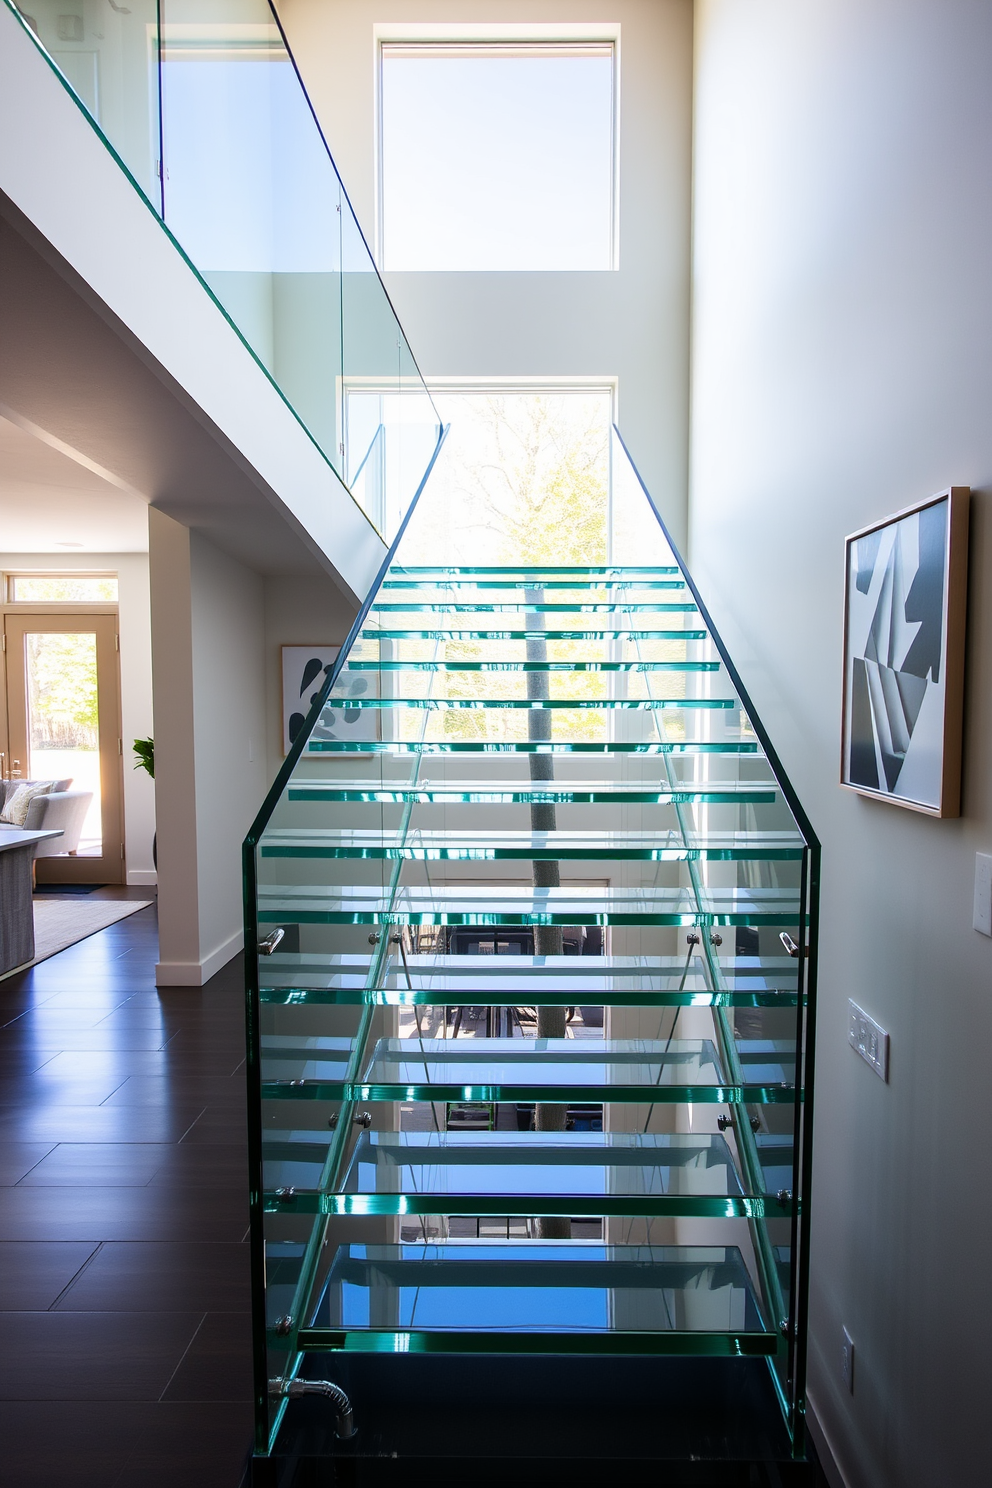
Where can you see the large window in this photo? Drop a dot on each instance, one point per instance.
(497, 156)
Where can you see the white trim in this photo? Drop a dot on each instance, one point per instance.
(196, 973)
(393, 33)
(144, 877)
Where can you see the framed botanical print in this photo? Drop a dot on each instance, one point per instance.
(904, 623)
(304, 671)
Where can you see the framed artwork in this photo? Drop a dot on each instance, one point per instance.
(304, 670)
(904, 623)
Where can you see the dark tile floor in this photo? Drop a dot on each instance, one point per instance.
(124, 1325)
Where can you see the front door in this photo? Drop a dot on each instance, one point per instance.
(64, 722)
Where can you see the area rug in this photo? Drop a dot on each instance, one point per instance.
(60, 923)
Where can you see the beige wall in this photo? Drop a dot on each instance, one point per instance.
(631, 324)
(843, 211)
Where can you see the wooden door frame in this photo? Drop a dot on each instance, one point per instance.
(111, 866)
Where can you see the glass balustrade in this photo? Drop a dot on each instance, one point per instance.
(200, 100)
(530, 1034)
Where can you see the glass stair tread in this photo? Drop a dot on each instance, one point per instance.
(525, 1069)
(599, 633)
(635, 664)
(730, 748)
(484, 1172)
(669, 580)
(490, 980)
(531, 572)
(449, 792)
(536, 1295)
(446, 846)
(478, 905)
(544, 607)
(598, 704)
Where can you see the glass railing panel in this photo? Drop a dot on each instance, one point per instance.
(567, 825)
(202, 102)
(108, 54)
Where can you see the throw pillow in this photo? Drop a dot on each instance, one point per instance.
(15, 807)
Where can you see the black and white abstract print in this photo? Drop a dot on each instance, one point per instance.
(304, 672)
(895, 664)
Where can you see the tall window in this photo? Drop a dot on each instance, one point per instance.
(497, 156)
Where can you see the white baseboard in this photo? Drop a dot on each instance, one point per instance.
(195, 973)
(142, 876)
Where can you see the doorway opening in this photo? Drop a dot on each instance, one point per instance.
(63, 716)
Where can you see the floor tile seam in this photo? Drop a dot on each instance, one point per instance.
(196, 1333)
(31, 1169)
(52, 1306)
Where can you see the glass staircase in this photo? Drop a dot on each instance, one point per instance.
(530, 1023)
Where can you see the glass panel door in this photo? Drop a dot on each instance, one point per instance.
(63, 704)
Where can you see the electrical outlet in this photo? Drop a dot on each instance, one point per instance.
(847, 1361)
(868, 1039)
(982, 919)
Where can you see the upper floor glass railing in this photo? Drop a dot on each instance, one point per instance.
(201, 102)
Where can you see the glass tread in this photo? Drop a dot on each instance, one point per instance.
(523, 1173)
(318, 904)
(539, 1296)
(420, 845)
(497, 792)
(526, 1069)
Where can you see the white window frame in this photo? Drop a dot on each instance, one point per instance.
(496, 35)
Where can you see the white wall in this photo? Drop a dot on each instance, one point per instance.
(136, 683)
(843, 212)
(208, 642)
(631, 324)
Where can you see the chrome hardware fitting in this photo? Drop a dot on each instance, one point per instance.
(268, 944)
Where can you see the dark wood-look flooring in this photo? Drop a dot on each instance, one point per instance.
(124, 1330)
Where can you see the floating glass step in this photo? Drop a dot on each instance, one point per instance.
(491, 607)
(317, 904)
(515, 1173)
(599, 633)
(600, 704)
(538, 1296)
(494, 792)
(514, 1070)
(533, 575)
(556, 667)
(538, 584)
(487, 846)
(502, 981)
(621, 748)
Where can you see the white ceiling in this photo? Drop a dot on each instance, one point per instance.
(50, 503)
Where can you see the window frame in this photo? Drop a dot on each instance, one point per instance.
(495, 37)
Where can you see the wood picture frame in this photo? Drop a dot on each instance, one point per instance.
(905, 611)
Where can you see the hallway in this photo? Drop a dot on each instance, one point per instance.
(123, 1259)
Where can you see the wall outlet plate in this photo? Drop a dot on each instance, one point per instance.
(868, 1039)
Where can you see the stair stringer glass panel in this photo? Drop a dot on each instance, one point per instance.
(530, 1061)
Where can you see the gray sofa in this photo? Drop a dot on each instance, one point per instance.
(61, 808)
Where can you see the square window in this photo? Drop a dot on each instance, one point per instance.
(497, 156)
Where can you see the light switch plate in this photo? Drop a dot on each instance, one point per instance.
(983, 894)
(868, 1039)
